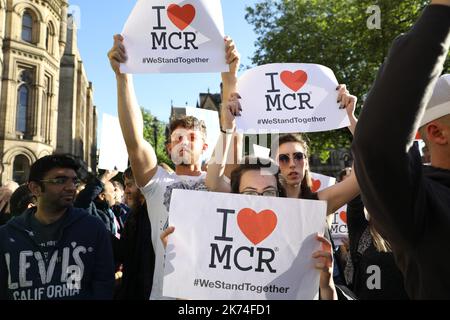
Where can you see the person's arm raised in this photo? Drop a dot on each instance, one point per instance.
(142, 156)
(229, 110)
(217, 165)
(391, 177)
(229, 80)
(348, 102)
(341, 193)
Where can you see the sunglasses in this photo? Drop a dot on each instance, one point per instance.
(285, 159)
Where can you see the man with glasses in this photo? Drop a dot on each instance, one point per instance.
(55, 251)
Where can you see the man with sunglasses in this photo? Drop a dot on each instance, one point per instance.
(187, 144)
(55, 251)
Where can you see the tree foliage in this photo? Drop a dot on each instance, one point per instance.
(335, 34)
(150, 124)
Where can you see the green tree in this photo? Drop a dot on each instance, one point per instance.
(150, 124)
(335, 34)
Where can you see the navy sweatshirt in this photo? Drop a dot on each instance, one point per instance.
(79, 267)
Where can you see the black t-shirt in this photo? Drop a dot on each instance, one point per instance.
(46, 236)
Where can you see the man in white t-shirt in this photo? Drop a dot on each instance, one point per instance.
(187, 144)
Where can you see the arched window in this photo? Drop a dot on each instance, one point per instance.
(22, 109)
(21, 169)
(23, 102)
(49, 38)
(27, 27)
(46, 104)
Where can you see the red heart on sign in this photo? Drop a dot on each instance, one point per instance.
(181, 16)
(343, 216)
(257, 226)
(295, 81)
(316, 184)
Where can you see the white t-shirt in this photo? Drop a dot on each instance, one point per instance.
(157, 193)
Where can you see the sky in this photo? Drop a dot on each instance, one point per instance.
(99, 20)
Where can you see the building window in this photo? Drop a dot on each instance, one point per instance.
(45, 115)
(49, 38)
(21, 169)
(22, 109)
(27, 27)
(23, 112)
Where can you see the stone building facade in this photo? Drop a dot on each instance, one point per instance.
(46, 101)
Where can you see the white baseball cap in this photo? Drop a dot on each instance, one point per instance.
(439, 104)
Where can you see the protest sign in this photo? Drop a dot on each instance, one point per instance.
(113, 151)
(290, 98)
(339, 229)
(242, 247)
(320, 182)
(261, 152)
(173, 36)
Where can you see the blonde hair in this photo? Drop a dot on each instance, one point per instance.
(380, 244)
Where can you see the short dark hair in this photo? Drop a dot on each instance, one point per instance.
(40, 168)
(128, 174)
(20, 200)
(188, 122)
(117, 184)
(255, 163)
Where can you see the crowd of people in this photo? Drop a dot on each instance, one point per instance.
(105, 238)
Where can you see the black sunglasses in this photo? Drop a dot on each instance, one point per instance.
(285, 158)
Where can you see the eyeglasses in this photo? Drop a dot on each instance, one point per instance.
(266, 193)
(61, 181)
(285, 159)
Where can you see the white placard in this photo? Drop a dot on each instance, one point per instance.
(113, 151)
(261, 152)
(289, 98)
(339, 229)
(173, 36)
(320, 181)
(242, 247)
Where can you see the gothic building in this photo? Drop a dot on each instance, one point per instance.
(46, 100)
